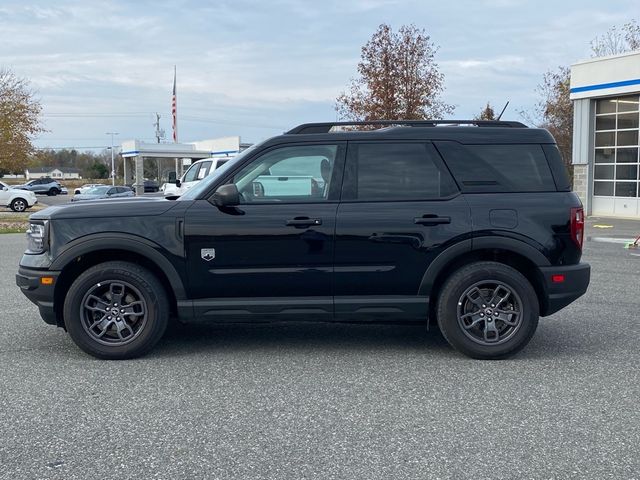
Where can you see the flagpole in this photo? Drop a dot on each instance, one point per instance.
(174, 116)
(175, 108)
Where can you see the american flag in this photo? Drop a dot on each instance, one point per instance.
(174, 108)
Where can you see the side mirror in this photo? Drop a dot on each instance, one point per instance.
(178, 182)
(226, 196)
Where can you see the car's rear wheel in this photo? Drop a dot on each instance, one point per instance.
(53, 191)
(116, 310)
(19, 205)
(488, 310)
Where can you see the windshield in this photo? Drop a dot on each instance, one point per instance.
(195, 191)
(98, 190)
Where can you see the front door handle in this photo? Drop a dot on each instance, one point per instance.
(300, 222)
(430, 219)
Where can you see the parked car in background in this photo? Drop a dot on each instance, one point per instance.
(151, 186)
(16, 199)
(196, 172)
(44, 186)
(85, 187)
(104, 191)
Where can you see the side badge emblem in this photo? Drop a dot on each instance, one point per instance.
(208, 254)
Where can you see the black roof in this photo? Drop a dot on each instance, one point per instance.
(463, 131)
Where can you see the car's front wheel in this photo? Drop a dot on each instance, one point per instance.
(19, 205)
(116, 310)
(53, 191)
(488, 310)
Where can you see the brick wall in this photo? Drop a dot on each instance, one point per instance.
(580, 181)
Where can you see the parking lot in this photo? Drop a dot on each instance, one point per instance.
(331, 401)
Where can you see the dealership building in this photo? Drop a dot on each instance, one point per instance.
(606, 117)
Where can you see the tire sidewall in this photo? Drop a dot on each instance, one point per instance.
(154, 297)
(464, 278)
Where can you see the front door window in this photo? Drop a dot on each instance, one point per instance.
(297, 174)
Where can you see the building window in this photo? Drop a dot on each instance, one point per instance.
(617, 164)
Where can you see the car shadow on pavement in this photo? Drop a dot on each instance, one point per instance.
(182, 340)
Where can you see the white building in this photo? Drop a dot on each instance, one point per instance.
(606, 100)
(57, 173)
(134, 153)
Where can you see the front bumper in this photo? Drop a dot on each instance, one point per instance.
(561, 294)
(29, 281)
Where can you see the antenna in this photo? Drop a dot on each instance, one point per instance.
(505, 107)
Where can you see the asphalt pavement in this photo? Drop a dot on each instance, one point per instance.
(331, 401)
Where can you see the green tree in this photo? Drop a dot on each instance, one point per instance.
(487, 113)
(398, 79)
(19, 122)
(98, 170)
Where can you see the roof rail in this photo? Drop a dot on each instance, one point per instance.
(325, 127)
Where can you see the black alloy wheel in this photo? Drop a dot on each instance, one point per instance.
(113, 312)
(116, 310)
(487, 310)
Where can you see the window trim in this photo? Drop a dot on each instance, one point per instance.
(350, 179)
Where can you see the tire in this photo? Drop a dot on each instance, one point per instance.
(53, 191)
(472, 326)
(19, 205)
(107, 328)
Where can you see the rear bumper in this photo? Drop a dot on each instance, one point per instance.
(561, 294)
(42, 295)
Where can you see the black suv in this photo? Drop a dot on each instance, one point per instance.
(470, 224)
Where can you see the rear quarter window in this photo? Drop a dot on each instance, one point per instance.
(498, 168)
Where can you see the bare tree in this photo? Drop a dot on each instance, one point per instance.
(617, 40)
(398, 79)
(19, 122)
(487, 113)
(556, 110)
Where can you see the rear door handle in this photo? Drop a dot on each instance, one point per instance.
(300, 222)
(431, 220)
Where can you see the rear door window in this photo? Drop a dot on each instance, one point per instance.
(395, 171)
(498, 168)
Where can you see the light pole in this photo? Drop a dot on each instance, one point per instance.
(113, 167)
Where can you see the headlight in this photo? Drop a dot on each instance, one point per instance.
(37, 238)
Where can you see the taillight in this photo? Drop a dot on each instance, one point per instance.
(577, 226)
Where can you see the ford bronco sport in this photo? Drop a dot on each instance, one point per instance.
(469, 224)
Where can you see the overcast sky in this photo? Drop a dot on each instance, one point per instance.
(256, 68)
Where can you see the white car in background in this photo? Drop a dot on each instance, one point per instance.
(16, 199)
(85, 187)
(196, 172)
